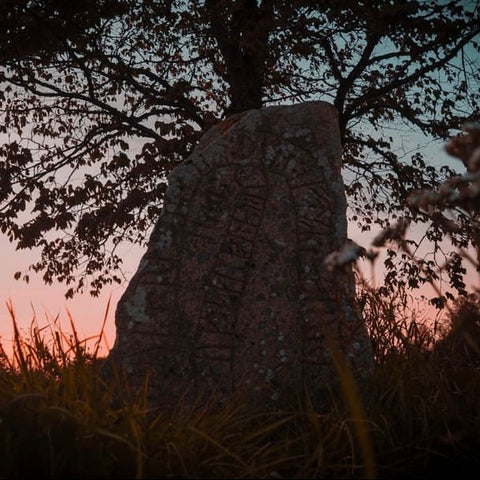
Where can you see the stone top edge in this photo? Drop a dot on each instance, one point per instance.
(317, 106)
(314, 111)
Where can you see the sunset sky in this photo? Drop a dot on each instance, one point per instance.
(44, 303)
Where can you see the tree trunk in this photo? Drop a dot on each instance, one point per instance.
(242, 30)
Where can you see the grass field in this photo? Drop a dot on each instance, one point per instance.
(421, 419)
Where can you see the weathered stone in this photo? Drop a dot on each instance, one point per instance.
(232, 294)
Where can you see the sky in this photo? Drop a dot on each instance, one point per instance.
(43, 303)
(40, 303)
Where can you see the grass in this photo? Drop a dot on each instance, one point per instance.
(57, 418)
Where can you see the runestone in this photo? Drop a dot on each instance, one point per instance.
(232, 294)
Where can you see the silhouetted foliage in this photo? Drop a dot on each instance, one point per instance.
(33, 27)
(99, 100)
(461, 347)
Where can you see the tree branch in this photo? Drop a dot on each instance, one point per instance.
(419, 73)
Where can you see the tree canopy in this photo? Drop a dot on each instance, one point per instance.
(100, 99)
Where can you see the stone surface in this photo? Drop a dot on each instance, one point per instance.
(232, 294)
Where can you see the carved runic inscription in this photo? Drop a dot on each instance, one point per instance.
(232, 292)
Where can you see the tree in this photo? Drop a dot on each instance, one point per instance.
(97, 113)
